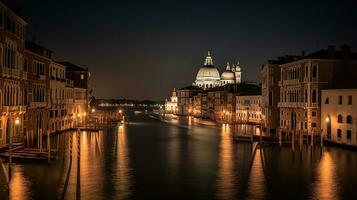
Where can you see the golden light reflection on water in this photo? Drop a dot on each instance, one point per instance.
(123, 172)
(226, 178)
(19, 185)
(91, 173)
(326, 185)
(257, 183)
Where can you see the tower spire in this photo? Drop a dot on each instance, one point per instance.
(208, 60)
(228, 68)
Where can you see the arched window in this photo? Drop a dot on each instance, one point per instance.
(339, 119)
(349, 119)
(314, 98)
(314, 71)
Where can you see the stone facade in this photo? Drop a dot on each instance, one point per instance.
(339, 115)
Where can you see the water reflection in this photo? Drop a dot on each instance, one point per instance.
(147, 158)
(226, 175)
(256, 183)
(326, 183)
(19, 185)
(123, 179)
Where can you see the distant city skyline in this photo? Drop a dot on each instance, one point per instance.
(156, 46)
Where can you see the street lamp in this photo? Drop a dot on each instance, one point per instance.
(327, 119)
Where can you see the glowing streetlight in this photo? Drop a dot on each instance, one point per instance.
(120, 111)
(93, 110)
(84, 114)
(79, 115)
(17, 121)
(327, 119)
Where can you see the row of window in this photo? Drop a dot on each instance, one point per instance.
(340, 100)
(13, 26)
(39, 95)
(296, 73)
(58, 113)
(39, 68)
(293, 96)
(284, 123)
(348, 134)
(348, 119)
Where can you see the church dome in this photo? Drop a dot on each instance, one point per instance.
(228, 74)
(208, 71)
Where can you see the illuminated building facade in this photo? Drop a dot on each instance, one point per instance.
(302, 80)
(208, 76)
(171, 106)
(248, 108)
(35, 92)
(79, 94)
(58, 118)
(185, 99)
(339, 115)
(37, 60)
(12, 76)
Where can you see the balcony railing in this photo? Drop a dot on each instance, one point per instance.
(14, 109)
(292, 104)
(38, 104)
(24, 75)
(10, 72)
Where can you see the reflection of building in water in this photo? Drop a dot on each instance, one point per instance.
(226, 174)
(171, 106)
(123, 171)
(256, 183)
(339, 115)
(325, 186)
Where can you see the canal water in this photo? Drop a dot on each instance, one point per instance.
(150, 159)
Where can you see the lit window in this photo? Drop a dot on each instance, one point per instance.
(82, 76)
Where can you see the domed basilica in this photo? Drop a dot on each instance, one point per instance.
(208, 76)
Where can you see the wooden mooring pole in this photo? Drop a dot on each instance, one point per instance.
(78, 193)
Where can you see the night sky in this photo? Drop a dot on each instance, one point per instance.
(142, 49)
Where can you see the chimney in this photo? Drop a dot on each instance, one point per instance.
(345, 51)
(303, 54)
(331, 51)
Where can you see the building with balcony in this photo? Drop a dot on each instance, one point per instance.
(37, 97)
(248, 108)
(185, 99)
(303, 78)
(12, 103)
(58, 118)
(80, 77)
(339, 115)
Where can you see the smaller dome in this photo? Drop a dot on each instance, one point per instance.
(227, 75)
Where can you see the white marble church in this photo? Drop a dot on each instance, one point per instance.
(208, 76)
